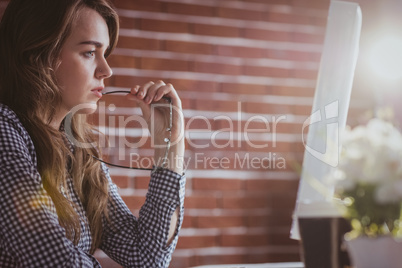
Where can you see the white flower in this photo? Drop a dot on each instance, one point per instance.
(371, 154)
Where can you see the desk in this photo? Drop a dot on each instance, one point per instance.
(262, 265)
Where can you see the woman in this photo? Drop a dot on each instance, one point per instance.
(57, 202)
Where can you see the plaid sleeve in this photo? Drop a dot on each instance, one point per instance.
(142, 242)
(30, 234)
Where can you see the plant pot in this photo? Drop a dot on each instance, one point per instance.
(383, 251)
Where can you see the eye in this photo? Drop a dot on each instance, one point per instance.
(89, 54)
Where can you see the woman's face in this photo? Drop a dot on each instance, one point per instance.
(82, 66)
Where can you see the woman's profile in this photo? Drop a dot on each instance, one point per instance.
(58, 203)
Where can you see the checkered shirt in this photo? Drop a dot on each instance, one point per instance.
(30, 234)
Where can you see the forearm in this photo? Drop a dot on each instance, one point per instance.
(175, 157)
(174, 162)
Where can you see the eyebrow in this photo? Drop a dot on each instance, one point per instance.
(95, 43)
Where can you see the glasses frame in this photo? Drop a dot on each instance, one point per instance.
(166, 140)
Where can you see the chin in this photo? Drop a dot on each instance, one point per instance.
(85, 108)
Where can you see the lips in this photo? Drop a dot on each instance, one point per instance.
(98, 91)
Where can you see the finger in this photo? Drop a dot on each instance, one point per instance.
(163, 91)
(143, 90)
(152, 90)
(134, 90)
(170, 92)
(133, 93)
(137, 94)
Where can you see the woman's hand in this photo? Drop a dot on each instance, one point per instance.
(156, 112)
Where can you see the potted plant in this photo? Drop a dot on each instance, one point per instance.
(368, 187)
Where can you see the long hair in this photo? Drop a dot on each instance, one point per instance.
(32, 34)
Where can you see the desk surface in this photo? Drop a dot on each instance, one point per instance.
(262, 265)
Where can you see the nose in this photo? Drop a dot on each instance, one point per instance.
(103, 71)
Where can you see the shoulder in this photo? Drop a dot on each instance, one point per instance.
(9, 119)
(13, 135)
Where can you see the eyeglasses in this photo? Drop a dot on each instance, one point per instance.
(166, 140)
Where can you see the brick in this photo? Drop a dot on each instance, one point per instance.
(182, 261)
(321, 6)
(292, 55)
(222, 106)
(217, 184)
(238, 51)
(272, 2)
(305, 74)
(143, 5)
(126, 81)
(244, 240)
(123, 61)
(271, 186)
(195, 85)
(129, 81)
(201, 200)
(164, 26)
(278, 109)
(141, 182)
(197, 241)
(249, 89)
(263, 108)
(201, 123)
(274, 147)
(308, 38)
(189, 47)
(281, 219)
(268, 35)
(122, 181)
(219, 221)
(216, 30)
(134, 202)
(217, 68)
(139, 43)
(232, 125)
(283, 201)
(189, 9)
(249, 201)
(129, 23)
(266, 71)
(222, 258)
(185, 101)
(188, 220)
(291, 18)
(242, 14)
(204, 147)
(281, 126)
(291, 91)
(165, 64)
(301, 109)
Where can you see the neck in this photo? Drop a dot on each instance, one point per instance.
(57, 119)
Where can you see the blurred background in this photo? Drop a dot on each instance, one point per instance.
(246, 72)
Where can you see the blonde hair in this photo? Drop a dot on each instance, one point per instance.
(32, 34)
